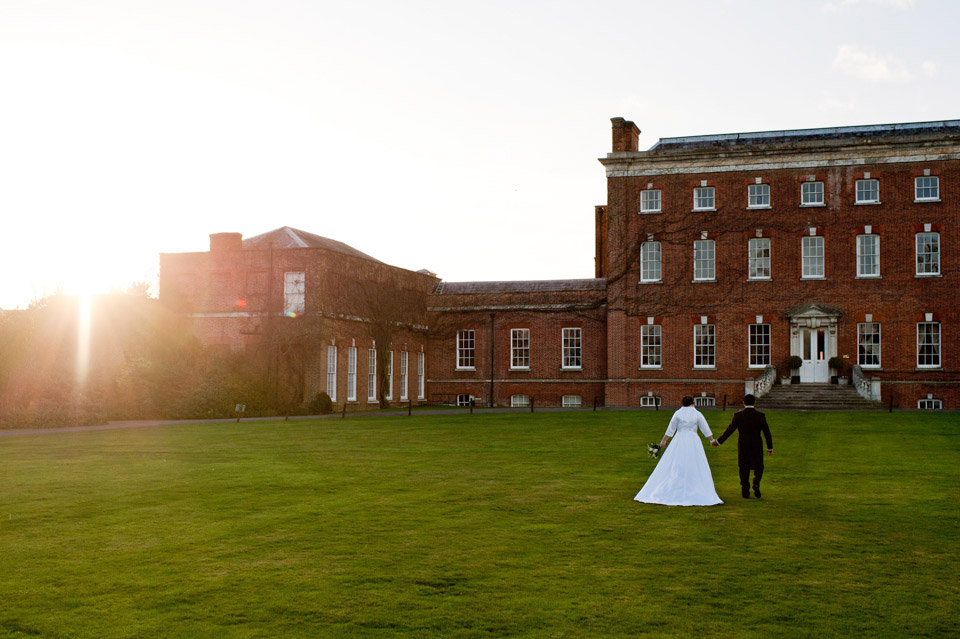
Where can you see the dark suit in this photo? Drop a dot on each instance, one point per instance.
(750, 422)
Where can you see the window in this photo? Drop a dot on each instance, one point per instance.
(868, 192)
(868, 344)
(759, 345)
(519, 401)
(703, 260)
(703, 199)
(812, 256)
(649, 401)
(572, 401)
(294, 292)
(390, 377)
(372, 375)
(466, 348)
(351, 374)
(928, 344)
(571, 345)
(332, 372)
(868, 256)
(930, 404)
(520, 348)
(758, 259)
(928, 253)
(421, 376)
(650, 262)
(404, 369)
(650, 201)
(704, 401)
(650, 346)
(758, 196)
(811, 194)
(464, 400)
(704, 346)
(926, 189)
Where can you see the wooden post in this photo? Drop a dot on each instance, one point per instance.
(531, 403)
(409, 407)
(595, 401)
(724, 401)
(344, 413)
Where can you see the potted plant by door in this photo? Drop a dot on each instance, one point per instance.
(794, 362)
(836, 365)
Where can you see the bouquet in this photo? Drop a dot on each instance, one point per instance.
(653, 450)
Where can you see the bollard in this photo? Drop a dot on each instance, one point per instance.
(595, 400)
(531, 403)
(891, 403)
(344, 413)
(409, 408)
(724, 402)
(471, 405)
(656, 406)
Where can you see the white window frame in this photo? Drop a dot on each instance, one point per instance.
(862, 255)
(571, 401)
(649, 401)
(930, 403)
(464, 399)
(758, 345)
(809, 258)
(700, 402)
(704, 198)
(650, 267)
(935, 345)
(758, 258)
(651, 346)
(519, 349)
(421, 375)
(294, 293)
(467, 350)
(758, 196)
(571, 346)
(389, 396)
(869, 345)
(704, 261)
(404, 370)
(332, 372)
(809, 192)
(650, 201)
(935, 263)
(868, 191)
(519, 400)
(705, 346)
(926, 188)
(351, 374)
(372, 375)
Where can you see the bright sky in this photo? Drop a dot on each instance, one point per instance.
(458, 137)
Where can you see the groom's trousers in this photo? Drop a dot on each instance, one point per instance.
(745, 476)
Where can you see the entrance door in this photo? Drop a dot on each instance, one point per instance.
(814, 354)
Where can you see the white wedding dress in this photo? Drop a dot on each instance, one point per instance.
(682, 476)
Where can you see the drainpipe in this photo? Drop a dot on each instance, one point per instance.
(492, 315)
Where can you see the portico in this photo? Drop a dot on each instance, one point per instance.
(813, 336)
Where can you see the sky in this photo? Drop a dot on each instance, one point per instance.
(458, 137)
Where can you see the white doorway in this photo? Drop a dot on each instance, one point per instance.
(814, 355)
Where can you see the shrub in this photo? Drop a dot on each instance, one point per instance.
(794, 362)
(837, 364)
(321, 405)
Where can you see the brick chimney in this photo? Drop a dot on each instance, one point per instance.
(220, 242)
(625, 135)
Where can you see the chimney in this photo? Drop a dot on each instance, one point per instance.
(220, 242)
(625, 134)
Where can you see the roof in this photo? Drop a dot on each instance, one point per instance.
(803, 135)
(528, 286)
(287, 237)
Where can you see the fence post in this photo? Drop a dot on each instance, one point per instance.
(595, 400)
(531, 403)
(409, 407)
(471, 406)
(891, 403)
(344, 413)
(656, 405)
(724, 401)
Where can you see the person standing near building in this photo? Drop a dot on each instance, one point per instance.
(750, 423)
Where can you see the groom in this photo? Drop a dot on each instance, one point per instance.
(750, 422)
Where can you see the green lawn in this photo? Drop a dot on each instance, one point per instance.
(477, 526)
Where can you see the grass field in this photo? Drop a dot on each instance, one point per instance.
(478, 526)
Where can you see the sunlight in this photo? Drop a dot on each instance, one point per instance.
(84, 312)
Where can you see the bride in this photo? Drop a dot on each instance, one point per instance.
(682, 476)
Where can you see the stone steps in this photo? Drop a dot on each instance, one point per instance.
(815, 397)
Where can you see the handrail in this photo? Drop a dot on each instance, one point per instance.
(765, 382)
(861, 383)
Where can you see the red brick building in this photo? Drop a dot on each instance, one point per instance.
(717, 257)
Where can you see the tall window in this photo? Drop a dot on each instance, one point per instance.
(570, 338)
(759, 345)
(421, 376)
(332, 372)
(520, 348)
(650, 201)
(372, 375)
(927, 189)
(811, 194)
(390, 377)
(928, 344)
(704, 346)
(650, 346)
(294, 293)
(758, 260)
(928, 253)
(703, 199)
(351, 374)
(704, 260)
(868, 256)
(650, 262)
(868, 191)
(758, 196)
(404, 368)
(868, 344)
(812, 256)
(466, 349)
